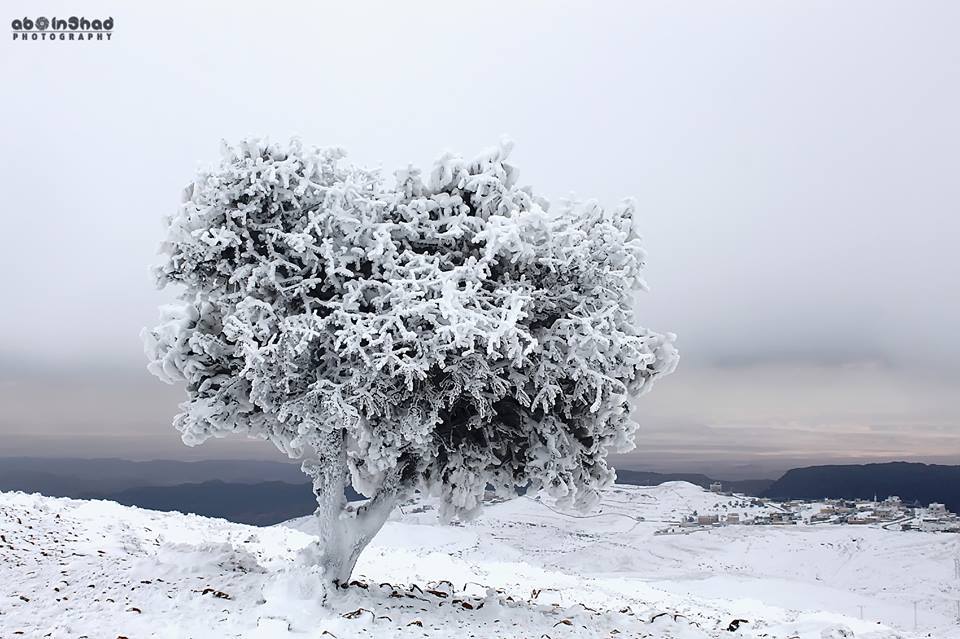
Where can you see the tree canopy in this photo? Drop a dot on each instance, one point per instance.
(443, 333)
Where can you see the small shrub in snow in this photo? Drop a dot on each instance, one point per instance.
(442, 334)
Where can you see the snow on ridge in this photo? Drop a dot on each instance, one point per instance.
(97, 569)
(787, 576)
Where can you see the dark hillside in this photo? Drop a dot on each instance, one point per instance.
(910, 481)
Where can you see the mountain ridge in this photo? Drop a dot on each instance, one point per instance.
(266, 492)
(911, 481)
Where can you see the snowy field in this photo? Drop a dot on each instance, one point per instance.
(74, 569)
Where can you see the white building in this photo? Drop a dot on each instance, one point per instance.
(930, 524)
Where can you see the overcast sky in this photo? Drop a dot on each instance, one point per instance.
(797, 165)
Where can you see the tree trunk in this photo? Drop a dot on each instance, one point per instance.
(344, 529)
(354, 529)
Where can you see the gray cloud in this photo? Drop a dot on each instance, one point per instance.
(796, 165)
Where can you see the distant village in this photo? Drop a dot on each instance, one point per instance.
(891, 513)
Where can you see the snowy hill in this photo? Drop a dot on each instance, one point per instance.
(97, 569)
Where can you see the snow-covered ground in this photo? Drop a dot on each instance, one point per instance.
(96, 569)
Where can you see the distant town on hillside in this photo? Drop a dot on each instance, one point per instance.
(891, 513)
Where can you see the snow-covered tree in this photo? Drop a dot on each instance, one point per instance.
(443, 334)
